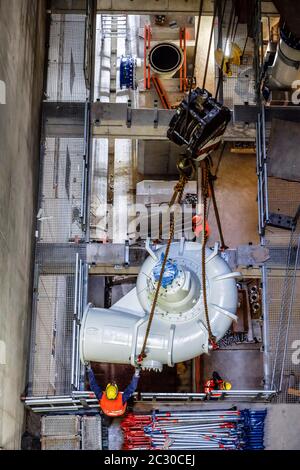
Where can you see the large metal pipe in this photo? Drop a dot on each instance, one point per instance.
(165, 59)
(285, 69)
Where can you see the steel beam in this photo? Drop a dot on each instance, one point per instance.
(64, 119)
(117, 120)
(249, 113)
(74, 403)
(112, 254)
(120, 120)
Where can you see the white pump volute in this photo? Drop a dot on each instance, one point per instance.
(179, 331)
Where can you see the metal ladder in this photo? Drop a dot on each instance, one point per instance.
(114, 26)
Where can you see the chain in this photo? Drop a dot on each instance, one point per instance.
(177, 195)
(205, 187)
(185, 173)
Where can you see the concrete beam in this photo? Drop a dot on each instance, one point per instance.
(189, 7)
(155, 6)
(69, 6)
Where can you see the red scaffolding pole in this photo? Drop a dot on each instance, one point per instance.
(183, 69)
(147, 44)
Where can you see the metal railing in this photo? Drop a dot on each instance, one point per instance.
(286, 312)
(262, 172)
(83, 401)
(60, 282)
(79, 302)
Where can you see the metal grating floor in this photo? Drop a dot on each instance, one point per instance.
(66, 81)
(60, 221)
(54, 426)
(50, 365)
(61, 191)
(91, 433)
(61, 443)
(283, 289)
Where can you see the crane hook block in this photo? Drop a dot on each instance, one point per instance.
(199, 124)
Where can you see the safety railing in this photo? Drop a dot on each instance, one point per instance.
(79, 301)
(286, 312)
(83, 401)
(262, 172)
(238, 395)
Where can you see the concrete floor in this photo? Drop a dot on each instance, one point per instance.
(281, 424)
(282, 427)
(230, 364)
(236, 195)
(22, 33)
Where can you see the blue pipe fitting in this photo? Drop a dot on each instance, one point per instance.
(127, 73)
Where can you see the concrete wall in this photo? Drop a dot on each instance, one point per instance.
(22, 46)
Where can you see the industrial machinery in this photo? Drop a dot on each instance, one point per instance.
(128, 72)
(199, 124)
(179, 331)
(282, 63)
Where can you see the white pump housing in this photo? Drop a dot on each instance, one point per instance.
(179, 331)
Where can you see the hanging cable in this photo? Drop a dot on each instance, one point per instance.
(226, 44)
(221, 22)
(209, 45)
(205, 176)
(177, 196)
(194, 62)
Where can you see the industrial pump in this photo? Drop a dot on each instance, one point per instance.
(179, 331)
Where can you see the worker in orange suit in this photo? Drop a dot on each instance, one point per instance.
(216, 383)
(112, 402)
(197, 222)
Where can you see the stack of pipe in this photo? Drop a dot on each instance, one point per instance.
(195, 430)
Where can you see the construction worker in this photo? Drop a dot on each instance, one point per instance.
(197, 226)
(216, 383)
(112, 402)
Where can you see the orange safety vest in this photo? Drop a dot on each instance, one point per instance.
(211, 385)
(114, 407)
(197, 222)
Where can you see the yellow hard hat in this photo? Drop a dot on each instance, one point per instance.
(227, 386)
(112, 391)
